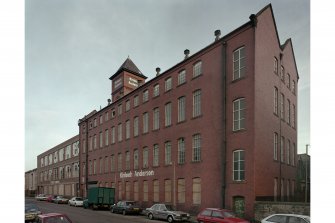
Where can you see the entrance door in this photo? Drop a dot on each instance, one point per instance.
(238, 206)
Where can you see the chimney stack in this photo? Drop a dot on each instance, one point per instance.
(217, 34)
(186, 52)
(158, 70)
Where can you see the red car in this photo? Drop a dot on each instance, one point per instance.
(51, 197)
(216, 215)
(53, 217)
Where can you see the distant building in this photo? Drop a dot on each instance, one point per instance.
(304, 161)
(218, 129)
(58, 169)
(30, 185)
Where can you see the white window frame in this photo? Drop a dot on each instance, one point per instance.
(196, 103)
(197, 69)
(156, 90)
(181, 109)
(239, 110)
(168, 84)
(168, 114)
(182, 77)
(239, 63)
(238, 160)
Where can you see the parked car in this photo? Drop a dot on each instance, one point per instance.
(286, 218)
(61, 200)
(76, 201)
(126, 207)
(166, 212)
(50, 198)
(53, 217)
(41, 197)
(216, 215)
(31, 212)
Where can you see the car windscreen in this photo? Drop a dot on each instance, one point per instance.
(31, 208)
(169, 207)
(228, 214)
(79, 199)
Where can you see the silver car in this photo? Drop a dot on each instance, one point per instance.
(166, 212)
(283, 218)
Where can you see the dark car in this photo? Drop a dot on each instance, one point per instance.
(216, 215)
(53, 218)
(31, 212)
(61, 200)
(166, 212)
(126, 207)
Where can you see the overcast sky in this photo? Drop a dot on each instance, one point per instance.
(72, 47)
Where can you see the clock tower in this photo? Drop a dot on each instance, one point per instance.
(127, 78)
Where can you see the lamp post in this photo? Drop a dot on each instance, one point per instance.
(306, 173)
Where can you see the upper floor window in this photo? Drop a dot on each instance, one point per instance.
(282, 74)
(127, 160)
(127, 129)
(136, 126)
(197, 103)
(106, 137)
(293, 116)
(135, 159)
(288, 118)
(119, 109)
(288, 81)
(100, 140)
(119, 162)
(156, 119)
(239, 114)
(156, 155)
(275, 65)
(196, 145)
(95, 122)
(239, 63)
(168, 84)
(288, 151)
(168, 153)
(182, 77)
(136, 101)
(275, 146)
(106, 116)
(282, 147)
(119, 132)
(145, 122)
(181, 108)
(293, 87)
(238, 166)
(101, 119)
(127, 105)
(168, 111)
(145, 157)
(197, 69)
(181, 151)
(282, 107)
(275, 101)
(156, 90)
(145, 95)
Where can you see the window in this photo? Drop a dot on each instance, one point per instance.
(293, 87)
(101, 120)
(196, 156)
(275, 188)
(120, 190)
(127, 190)
(106, 137)
(101, 165)
(181, 77)
(94, 142)
(61, 156)
(288, 81)
(293, 154)
(196, 103)
(288, 184)
(127, 105)
(119, 109)
(136, 101)
(145, 157)
(106, 164)
(288, 152)
(119, 131)
(156, 190)
(67, 153)
(112, 163)
(167, 153)
(196, 190)
(181, 108)
(100, 140)
(156, 90)
(113, 113)
(282, 189)
(136, 191)
(106, 116)
(239, 63)
(94, 166)
(167, 190)
(288, 118)
(181, 151)
(145, 95)
(293, 116)
(238, 166)
(282, 146)
(135, 159)
(136, 126)
(127, 160)
(91, 144)
(275, 102)
(89, 170)
(168, 84)
(95, 122)
(275, 146)
(156, 155)
(156, 119)
(119, 162)
(275, 65)
(113, 135)
(127, 129)
(181, 191)
(145, 122)
(145, 190)
(168, 109)
(239, 114)
(197, 69)
(282, 74)
(282, 107)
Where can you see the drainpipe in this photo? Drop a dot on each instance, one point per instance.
(224, 124)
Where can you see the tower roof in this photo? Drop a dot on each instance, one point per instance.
(129, 66)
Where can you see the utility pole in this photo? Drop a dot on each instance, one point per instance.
(306, 173)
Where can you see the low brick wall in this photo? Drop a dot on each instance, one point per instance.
(265, 208)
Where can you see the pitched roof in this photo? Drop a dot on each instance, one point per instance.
(128, 65)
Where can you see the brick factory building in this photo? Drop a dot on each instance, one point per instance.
(58, 169)
(218, 129)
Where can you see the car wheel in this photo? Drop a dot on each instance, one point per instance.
(112, 210)
(75, 204)
(124, 212)
(170, 219)
(150, 216)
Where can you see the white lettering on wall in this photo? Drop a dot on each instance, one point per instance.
(140, 173)
(117, 83)
(133, 82)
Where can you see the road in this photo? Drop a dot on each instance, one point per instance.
(81, 215)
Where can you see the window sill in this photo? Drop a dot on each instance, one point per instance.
(181, 84)
(238, 79)
(239, 130)
(167, 91)
(196, 117)
(181, 122)
(193, 78)
(239, 182)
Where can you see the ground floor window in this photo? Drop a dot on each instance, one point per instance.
(196, 191)
(167, 189)
(156, 190)
(145, 190)
(181, 191)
